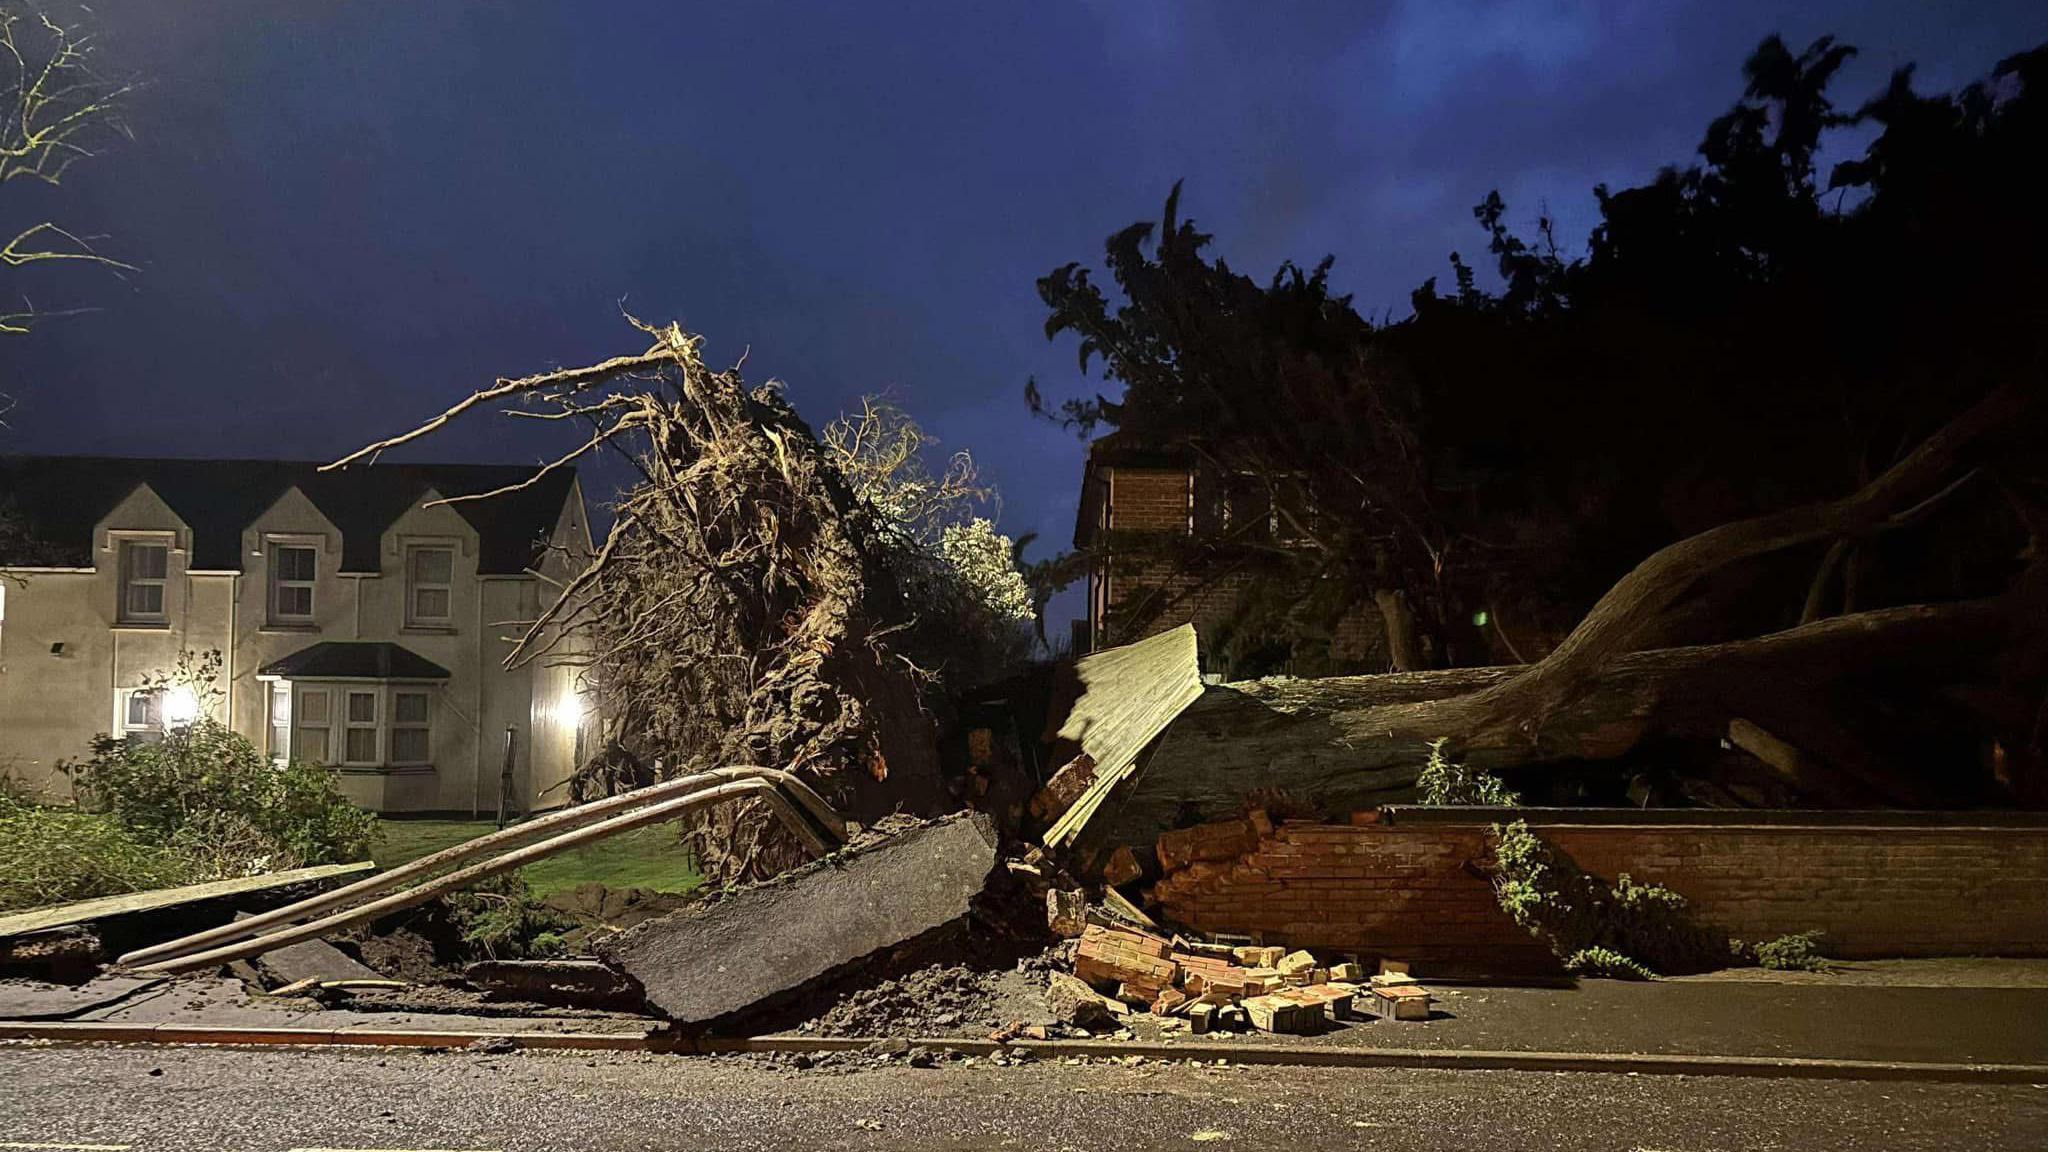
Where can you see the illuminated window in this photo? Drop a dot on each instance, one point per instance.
(141, 712)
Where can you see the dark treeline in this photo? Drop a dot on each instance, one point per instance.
(1744, 334)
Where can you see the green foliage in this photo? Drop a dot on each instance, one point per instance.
(1606, 963)
(1798, 952)
(206, 789)
(1445, 783)
(53, 855)
(1586, 920)
(502, 918)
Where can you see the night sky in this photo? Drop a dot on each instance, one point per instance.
(347, 215)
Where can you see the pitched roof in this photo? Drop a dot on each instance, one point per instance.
(61, 498)
(354, 660)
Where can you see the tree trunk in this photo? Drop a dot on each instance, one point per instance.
(1404, 645)
(1342, 743)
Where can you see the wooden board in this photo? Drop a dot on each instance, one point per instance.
(78, 912)
(1128, 697)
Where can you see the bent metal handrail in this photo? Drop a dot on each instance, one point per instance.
(810, 817)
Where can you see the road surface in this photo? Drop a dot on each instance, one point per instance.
(274, 1100)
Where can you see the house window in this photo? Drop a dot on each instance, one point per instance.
(361, 742)
(143, 570)
(411, 727)
(429, 584)
(313, 725)
(291, 583)
(139, 715)
(280, 726)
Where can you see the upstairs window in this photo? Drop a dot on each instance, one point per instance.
(292, 568)
(429, 585)
(144, 567)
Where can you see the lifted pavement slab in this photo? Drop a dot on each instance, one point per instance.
(770, 940)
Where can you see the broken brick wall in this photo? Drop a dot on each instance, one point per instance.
(1419, 891)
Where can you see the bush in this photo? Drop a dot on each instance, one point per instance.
(54, 855)
(1606, 963)
(1799, 952)
(1444, 783)
(500, 917)
(1606, 929)
(209, 790)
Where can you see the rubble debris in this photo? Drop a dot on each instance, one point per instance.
(1073, 1002)
(1208, 986)
(1276, 1013)
(1398, 1002)
(1135, 962)
(1066, 912)
(1120, 907)
(68, 955)
(767, 940)
(937, 1000)
(1065, 787)
(1257, 956)
(1122, 868)
(565, 983)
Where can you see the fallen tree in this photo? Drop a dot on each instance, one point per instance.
(747, 606)
(1844, 691)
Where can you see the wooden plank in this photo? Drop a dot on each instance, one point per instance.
(81, 911)
(1128, 697)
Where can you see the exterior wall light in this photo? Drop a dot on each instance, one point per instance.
(181, 706)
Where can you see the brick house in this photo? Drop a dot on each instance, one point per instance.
(1173, 541)
(360, 625)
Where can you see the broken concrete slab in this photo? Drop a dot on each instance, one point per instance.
(40, 1000)
(765, 941)
(314, 960)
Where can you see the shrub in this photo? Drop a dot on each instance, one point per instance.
(1798, 952)
(1445, 783)
(53, 855)
(500, 917)
(208, 789)
(1584, 920)
(1606, 963)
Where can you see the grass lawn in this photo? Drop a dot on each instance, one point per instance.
(643, 858)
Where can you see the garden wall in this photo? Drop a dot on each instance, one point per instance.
(1410, 883)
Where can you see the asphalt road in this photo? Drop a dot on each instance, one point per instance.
(273, 1100)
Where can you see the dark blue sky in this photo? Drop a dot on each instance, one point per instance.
(347, 214)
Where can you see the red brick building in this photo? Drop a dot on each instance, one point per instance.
(1175, 541)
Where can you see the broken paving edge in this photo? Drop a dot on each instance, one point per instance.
(757, 948)
(1787, 1067)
